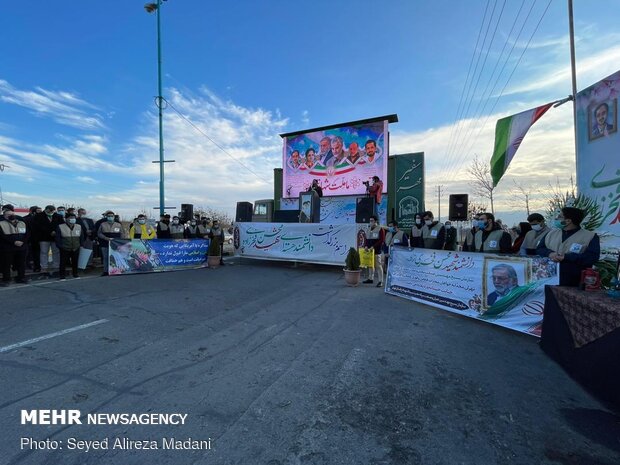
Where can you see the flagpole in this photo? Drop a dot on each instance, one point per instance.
(571, 29)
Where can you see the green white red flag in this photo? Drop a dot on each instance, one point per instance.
(509, 133)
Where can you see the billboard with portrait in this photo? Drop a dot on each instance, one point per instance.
(598, 166)
(340, 158)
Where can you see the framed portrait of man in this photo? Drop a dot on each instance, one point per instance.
(502, 275)
(602, 119)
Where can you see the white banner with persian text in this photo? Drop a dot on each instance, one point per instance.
(503, 290)
(306, 242)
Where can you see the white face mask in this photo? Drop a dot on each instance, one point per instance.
(428, 222)
(142, 221)
(175, 221)
(536, 227)
(418, 221)
(448, 226)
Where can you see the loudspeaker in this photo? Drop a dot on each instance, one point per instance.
(187, 212)
(286, 216)
(244, 212)
(364, 209)
(458, 207)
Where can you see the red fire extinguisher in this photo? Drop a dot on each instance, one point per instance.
(590, 279)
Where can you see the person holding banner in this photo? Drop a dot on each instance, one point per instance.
(538, 232)
(177, 230)
(574, 248)
(394, 238)
(433, 232)
(191, 232)
(108, 230)
(141, 230)
(416, 231)
(375, 240)
(69, 238)
(490, 237)
(163, 227)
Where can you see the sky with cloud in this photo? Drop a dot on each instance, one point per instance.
(78, 121)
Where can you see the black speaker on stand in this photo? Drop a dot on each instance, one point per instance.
(244, 212)
(458, 207)
(365, 207)
(187, 212)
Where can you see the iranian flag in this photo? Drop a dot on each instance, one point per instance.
(509, 133)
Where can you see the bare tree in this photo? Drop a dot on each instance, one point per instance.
(521, 196)
(474, 208)
(482, 183)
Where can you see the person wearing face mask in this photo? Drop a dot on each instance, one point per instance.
(163, 228)
(217, 231)
(44, 229)
(13, 247)
(433, 232)
(574, 248)
(177, 230)
(61, 211)
(538, 232)
(375, 240)
(394, 238)
(69, 238)
(141, 230)
(416, 231)
(468, 245)
(204, 230)
(108, 231)
(450, 236)
(490, 237)
(33, 259)
(191, 232)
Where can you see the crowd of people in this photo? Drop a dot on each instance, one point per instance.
(566, 242)
(50, 239)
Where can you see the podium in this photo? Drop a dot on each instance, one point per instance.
(309, 207)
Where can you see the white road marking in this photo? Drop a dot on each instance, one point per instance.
(49, 336)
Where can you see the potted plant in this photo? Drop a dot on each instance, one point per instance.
(214, 253)
(352, 267)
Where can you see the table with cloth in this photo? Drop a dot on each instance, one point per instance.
(581, 331)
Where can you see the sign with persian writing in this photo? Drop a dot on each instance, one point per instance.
(145, 256)
(507, 291)
(305, 242)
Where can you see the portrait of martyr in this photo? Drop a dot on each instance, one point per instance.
(370, 149)
(502, 276)
(294, 160)
(310, 158)
(354, 154)
(602, 119)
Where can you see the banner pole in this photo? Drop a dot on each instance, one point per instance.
(571, 29)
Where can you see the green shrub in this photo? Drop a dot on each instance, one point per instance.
(352, 261)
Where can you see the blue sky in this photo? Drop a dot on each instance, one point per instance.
(78, 122)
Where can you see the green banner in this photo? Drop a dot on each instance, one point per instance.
(408, 187)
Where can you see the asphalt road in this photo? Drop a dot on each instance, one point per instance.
(276, 364)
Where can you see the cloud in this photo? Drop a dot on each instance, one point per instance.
(546, 154)
(82, 153)
(593, 64)
(86, 180)
(63, 107)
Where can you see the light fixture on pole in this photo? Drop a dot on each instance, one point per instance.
(150, 8)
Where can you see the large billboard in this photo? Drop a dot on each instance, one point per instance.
(598, 164)
(341, 158)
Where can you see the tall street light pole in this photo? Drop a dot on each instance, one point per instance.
(150, 8)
